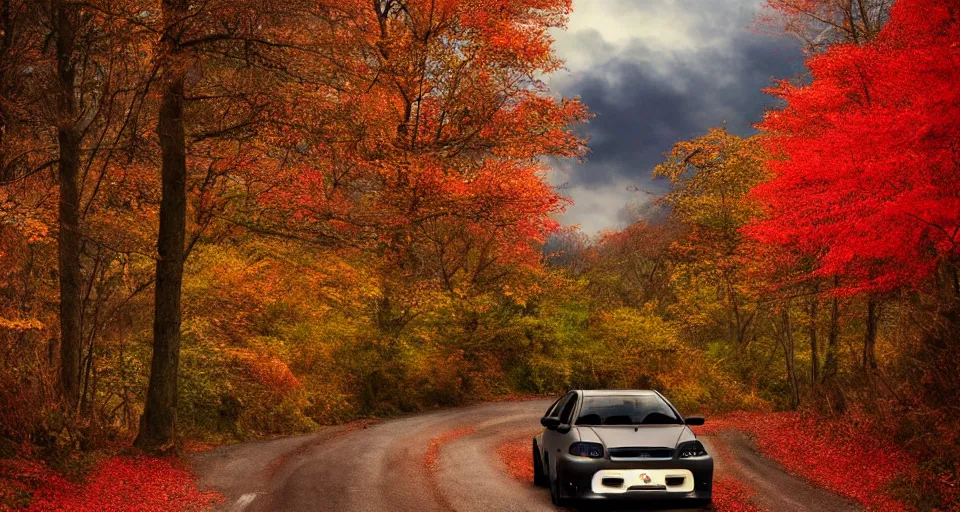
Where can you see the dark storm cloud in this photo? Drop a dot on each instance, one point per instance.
(646, 100)
(656, 72)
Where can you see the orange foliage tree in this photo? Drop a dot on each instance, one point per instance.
(399, 141)
(431, 145)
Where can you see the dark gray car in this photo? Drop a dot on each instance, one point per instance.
(620, 444)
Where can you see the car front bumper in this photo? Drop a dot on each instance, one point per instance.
(579, 478)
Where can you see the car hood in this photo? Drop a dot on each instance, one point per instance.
(645, 435)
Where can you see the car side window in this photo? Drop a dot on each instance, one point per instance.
(568, 408)
(561, 405)
(552, 407)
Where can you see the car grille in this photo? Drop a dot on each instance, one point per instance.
(640, 452)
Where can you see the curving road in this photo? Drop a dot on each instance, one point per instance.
(440, 461)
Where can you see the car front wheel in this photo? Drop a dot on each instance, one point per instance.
(539, 478)
(555, 496)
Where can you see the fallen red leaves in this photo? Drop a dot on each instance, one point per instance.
(18, 481)
(842, 456)
(433, 452)
(730, 495)
(116, 484)
(517, 456)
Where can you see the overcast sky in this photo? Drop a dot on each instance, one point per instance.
(656, 72)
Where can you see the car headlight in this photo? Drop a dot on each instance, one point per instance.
(691, 449)
(592, 450)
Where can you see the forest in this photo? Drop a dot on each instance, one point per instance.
(231, 219)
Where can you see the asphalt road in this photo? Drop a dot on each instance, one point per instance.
(399, 465)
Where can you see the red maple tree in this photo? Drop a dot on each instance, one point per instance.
(866, 156)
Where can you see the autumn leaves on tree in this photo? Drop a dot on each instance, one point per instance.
(333, 200)
(412, 130)
(867, 177)
(865, 164)
(844, 204)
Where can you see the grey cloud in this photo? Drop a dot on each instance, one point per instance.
(656, 72)
(646, 101)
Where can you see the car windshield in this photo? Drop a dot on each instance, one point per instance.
(626, 410)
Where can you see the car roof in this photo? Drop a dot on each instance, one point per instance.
(618, 392)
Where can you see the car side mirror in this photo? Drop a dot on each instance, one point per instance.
(695, 421)
(549, 422)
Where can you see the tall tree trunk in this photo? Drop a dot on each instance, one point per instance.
(831, 364)
(159, 421)
(868, 28)
(789, 355)
(6, 42)
(870, 337)
(814, 349)
(65, 17)
(955, 280)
